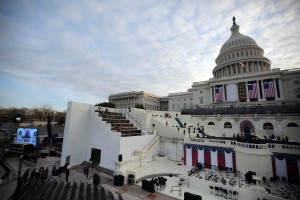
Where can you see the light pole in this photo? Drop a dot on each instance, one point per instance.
(18, 119)
(53, 114)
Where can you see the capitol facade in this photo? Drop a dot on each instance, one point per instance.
(242, 123)
(242, 77)
(244, 94)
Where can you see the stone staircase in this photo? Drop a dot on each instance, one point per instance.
(117, 120)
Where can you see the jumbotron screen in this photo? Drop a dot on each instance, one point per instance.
(27, 135)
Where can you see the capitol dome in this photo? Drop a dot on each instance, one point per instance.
(240, 54)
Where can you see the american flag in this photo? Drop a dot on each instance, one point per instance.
(219, 93)
(242, 64)
(269, 89)
(252, 90)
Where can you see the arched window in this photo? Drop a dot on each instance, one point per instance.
(292, 124)
(211, 123)
(227, 125)
(268, 126)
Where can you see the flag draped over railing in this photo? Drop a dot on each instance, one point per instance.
(219, 92)
(269, 89)
(253, 90)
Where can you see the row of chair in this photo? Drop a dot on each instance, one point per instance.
(222, 192)
(52, 190)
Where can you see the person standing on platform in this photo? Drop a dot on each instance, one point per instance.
(84, 170)
(67, 175)
(87, 171)
(32, 174)
(54, 172)
(46, 173)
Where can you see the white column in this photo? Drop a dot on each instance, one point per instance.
(212, 96)
(223, 87)
(237, 91)
(247, 95)
(263, 90)
(258, 90)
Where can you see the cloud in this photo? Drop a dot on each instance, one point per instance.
(86, 50)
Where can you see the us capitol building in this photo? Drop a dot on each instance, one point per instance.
(242, 77)
(225, 126)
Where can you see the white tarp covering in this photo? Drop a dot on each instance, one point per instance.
(232, 94)
(189, 157)
(201, 156)
(228, 160)
(214, 158)
(281, 170)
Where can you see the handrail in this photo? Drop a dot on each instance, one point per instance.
(230, 142)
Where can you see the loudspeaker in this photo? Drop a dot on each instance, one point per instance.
(118, 180)
(120, 158)
(130, 179)
(249, 178)
(148, 186)
(190, 196)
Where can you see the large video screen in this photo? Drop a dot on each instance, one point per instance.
(27, 135)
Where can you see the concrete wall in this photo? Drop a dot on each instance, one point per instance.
(84, 130)
(173, 150)
(160, 122)
(75, 135)
(130, 144)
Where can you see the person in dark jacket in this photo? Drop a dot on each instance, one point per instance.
(67, 175)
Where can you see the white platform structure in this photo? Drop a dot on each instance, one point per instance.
(254, 102)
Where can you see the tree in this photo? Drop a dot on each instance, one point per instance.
(61, 120)
(140, 106)
(107, 104)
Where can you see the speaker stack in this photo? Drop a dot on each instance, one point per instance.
(148, 186)
(120, 158)
(249, 178)
(191, 196)
(119, 180)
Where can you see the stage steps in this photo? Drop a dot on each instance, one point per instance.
(117, 120)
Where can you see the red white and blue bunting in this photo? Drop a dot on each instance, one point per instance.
(209, 156)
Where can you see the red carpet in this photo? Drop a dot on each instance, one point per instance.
(151, 196)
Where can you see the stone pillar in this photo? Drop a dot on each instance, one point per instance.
(237, 92)
(212, 95)
(263, 90)
(247, 95)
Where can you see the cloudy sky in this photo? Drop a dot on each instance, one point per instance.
(54, 51)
